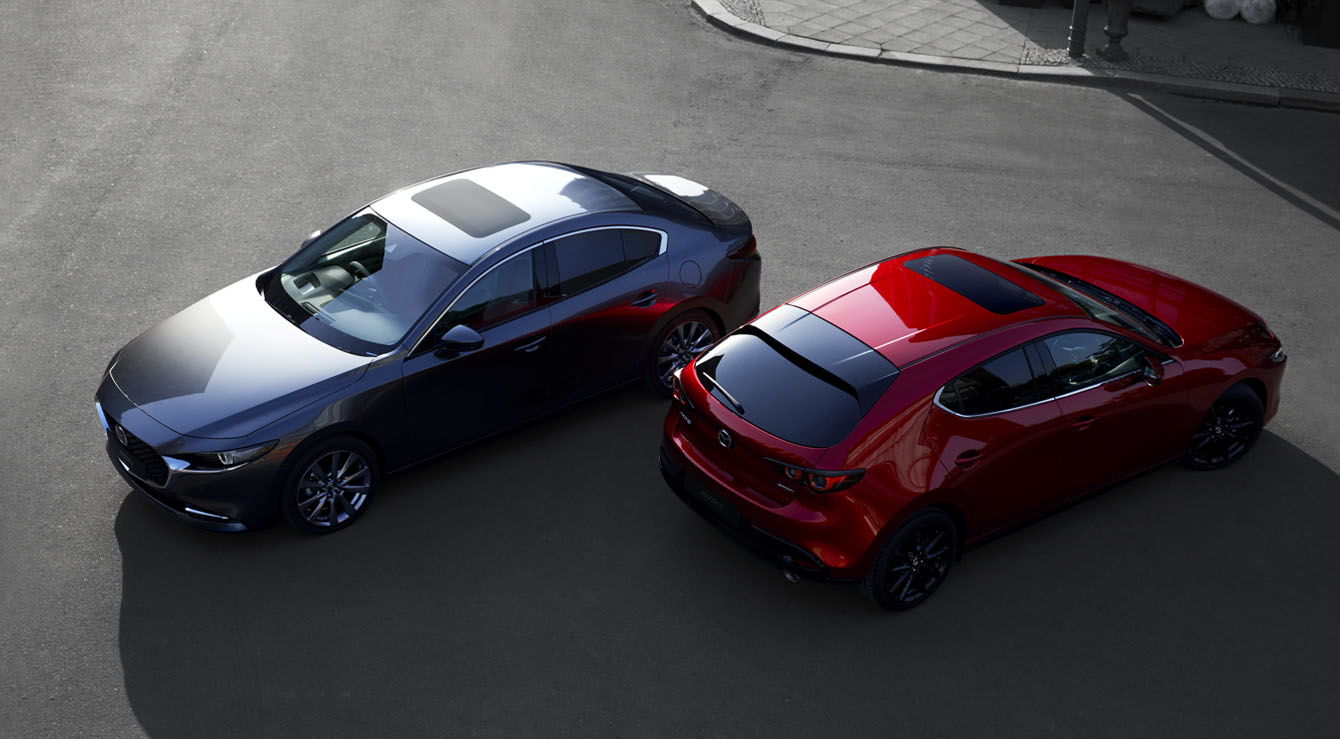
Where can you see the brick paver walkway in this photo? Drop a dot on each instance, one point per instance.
(1190, 46)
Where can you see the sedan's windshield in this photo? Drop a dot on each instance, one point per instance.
(361, 285)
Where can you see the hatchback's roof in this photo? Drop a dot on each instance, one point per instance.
(467, 214)
(910, 306)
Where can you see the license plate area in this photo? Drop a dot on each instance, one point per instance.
(714, 504)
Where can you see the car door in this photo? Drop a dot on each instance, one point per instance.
(455, 399)
(999, 440)
(609, 289)
(1117, 422)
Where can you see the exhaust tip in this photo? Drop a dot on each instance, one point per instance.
(790, 576)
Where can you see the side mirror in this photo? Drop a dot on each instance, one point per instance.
(310, 238)
(459, 339)
(1152, 372)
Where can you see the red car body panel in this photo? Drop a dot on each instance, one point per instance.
(1197, 313)
(905, 316)
(992, 471)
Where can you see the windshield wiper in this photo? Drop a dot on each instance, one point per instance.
(702, 372)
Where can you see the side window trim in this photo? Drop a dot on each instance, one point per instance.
(418, 348)
(1097, 382)
(553, 257)
(544, 294)
(1040, 357)
(1031, 361)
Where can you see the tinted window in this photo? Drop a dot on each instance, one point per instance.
(506, 291)
(1002, 383)
(1087, 358)
(587, 259)
(775, 394)
(974, 282)
(796, 376)
(470, 207)
(639, 246)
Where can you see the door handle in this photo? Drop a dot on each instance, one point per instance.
(968, 459)
(532, 346)
(645, 299)
(1082, 423)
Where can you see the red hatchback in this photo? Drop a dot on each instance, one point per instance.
(871, 429)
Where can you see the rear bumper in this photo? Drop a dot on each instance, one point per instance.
(771, 549)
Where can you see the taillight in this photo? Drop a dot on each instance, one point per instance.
(820, 481)
(747, 249)
(677, 389)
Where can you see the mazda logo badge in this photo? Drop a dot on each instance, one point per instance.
(723, 438)
(121, 435)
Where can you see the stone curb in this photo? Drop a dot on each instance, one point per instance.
(719, 16)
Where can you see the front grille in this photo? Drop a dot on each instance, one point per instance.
(154, 468)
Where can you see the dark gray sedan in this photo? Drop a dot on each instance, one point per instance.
(439, 315)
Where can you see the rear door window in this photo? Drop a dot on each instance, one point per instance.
(588, 259)
(991, 387)
(639, 245)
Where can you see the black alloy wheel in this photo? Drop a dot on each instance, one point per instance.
(913, 562)
(330, 486)
(1228, 431)
(678, 343)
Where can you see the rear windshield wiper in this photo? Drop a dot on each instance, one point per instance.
(702, 372)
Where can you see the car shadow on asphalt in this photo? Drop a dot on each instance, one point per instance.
(549, 582)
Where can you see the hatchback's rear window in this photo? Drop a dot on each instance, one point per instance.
(796, 376)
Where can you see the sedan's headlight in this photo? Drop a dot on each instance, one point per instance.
(227, 460)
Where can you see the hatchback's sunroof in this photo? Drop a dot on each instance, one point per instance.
(978, 284)
(471, 207)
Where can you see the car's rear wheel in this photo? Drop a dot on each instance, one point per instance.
(1228, 431)
(684, 338)
(330, 486)
(913, 562)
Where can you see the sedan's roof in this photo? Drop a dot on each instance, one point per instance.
(465, 215)
(916, 304)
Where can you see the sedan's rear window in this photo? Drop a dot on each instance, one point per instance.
(796, 376)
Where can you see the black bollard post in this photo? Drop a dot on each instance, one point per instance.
(1079, 27)
(1118, 13)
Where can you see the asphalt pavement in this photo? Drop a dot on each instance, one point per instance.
(548, 583)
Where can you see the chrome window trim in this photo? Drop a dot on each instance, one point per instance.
(432, 326)
(414, 350)
(936, 399)
(1047, 399)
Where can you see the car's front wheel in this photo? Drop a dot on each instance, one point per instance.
(330, 486)
(684, 338)
(913, 562)
(1228, 431)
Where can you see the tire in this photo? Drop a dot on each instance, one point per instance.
(684, 338)
(914, 561)
(1228, 431)
(317, 498)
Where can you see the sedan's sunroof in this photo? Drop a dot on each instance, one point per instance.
(471, 207)
(976, 283)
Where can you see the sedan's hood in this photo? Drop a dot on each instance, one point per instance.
(1198, 314)
(229, 365)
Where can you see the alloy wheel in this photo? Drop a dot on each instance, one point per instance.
(333, 488)
(919, 562)
(1225, 435)
(681, 345)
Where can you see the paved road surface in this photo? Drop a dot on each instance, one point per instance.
(547, 583)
